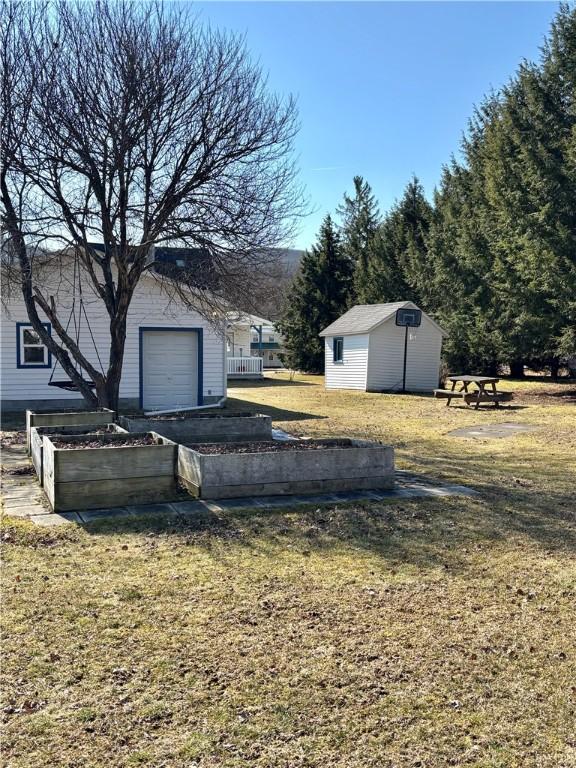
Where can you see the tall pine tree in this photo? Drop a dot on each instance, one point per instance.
(319, 295)
(503, 238)
(359, 217)
(397, 266)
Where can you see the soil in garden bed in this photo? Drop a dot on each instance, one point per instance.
(127, 442)
(182, 416)
(267, 447)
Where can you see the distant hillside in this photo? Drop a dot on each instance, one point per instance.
(281, 275)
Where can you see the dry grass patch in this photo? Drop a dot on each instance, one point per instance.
(430, 632)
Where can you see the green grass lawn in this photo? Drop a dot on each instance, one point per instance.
(424, 632)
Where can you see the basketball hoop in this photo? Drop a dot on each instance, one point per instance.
(408, 318)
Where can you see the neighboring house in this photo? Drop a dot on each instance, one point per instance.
(241, 330)
(174, 358)
(268, 344)
(364, 349)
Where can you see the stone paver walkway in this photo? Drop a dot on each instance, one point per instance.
(23, 497)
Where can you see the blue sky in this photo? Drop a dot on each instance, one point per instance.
(384, 89)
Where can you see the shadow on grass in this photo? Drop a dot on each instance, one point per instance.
(426, 533)
(269, 382)
(568, 395)
(277, 414)
(487, 408)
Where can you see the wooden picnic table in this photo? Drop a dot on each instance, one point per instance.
(474, 397)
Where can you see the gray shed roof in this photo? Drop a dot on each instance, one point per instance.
(364, 317)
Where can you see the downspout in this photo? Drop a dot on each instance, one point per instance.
(224, 367)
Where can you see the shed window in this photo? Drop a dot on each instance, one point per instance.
(31, 352)
(338, 349)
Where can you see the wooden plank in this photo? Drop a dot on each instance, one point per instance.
(96, 494)
(28, 427)
(206, 429)
(293, 487)
(116, 463)
(36, 451)
(443, 393)
(465, 378)
(488, 397)
(48, 471)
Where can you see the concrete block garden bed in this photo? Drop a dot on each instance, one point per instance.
(204, 427)
(66, 419)
(93, 471)
(272, 468)
(37, 439)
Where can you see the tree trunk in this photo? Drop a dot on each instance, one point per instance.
(517, 369)
(109, 395)
(493, 368)
(554, 369)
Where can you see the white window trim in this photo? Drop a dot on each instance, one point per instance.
(20, 359)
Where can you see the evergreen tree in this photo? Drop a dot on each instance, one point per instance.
(461, 257)
(318, 296)
(360, 217)
(503, 239)
(397, 266)
(532, 193)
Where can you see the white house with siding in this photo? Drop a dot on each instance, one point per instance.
(174, 357)
(242, 362)
(364, 349)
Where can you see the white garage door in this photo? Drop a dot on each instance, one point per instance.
(169, 369)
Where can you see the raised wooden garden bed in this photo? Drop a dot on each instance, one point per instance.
(37, 439)
(66, 419)
(93, 471)
(204, 427)
(261, 469)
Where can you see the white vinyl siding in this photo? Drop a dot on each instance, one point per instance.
(239, 340)
(351, 372)
(385, 365)
(149, 308)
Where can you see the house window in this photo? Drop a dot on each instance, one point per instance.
(338, 349)
(270, 338)
(30, 351)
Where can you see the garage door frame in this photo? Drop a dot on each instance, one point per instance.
(187, 329)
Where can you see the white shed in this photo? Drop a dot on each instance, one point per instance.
(365, 349)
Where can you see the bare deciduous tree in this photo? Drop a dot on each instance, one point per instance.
(131, 125)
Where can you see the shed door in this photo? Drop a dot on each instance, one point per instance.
(169, 369)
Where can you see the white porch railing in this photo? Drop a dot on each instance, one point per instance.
(244, 366)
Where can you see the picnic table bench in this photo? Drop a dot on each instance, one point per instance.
(474, 397)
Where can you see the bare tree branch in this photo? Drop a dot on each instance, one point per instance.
(131, 125)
